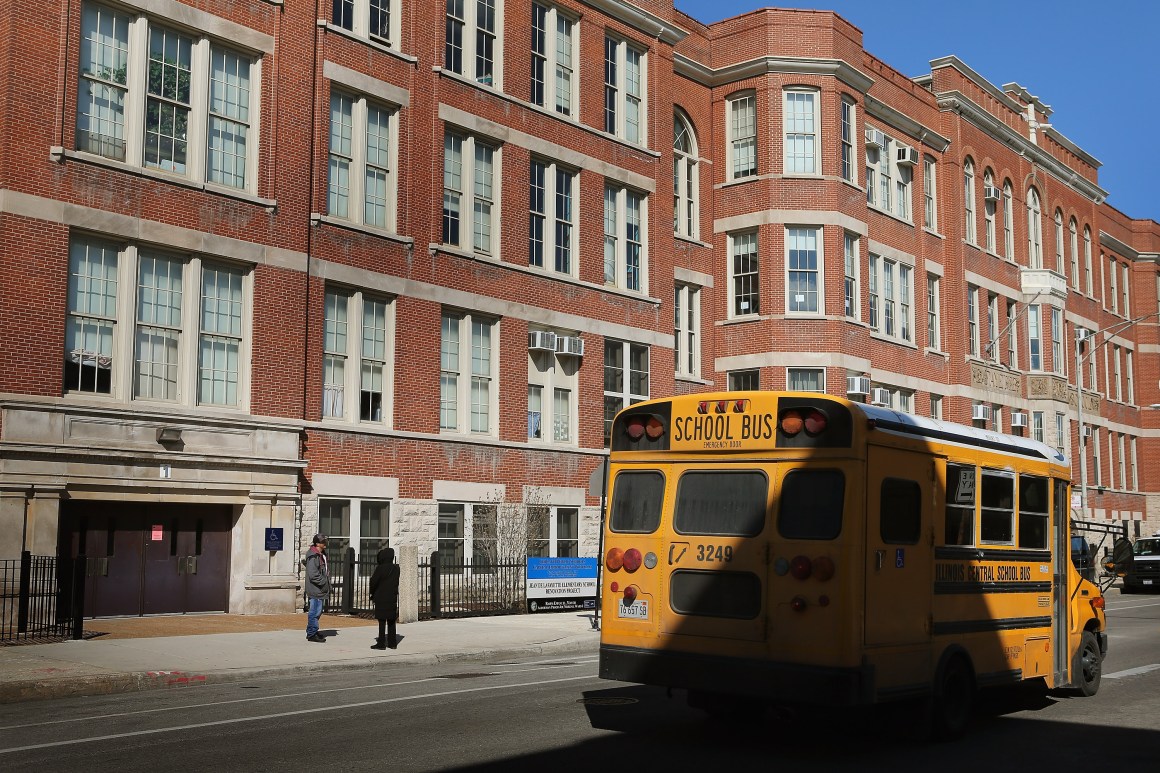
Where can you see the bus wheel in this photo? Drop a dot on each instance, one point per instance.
(953, 699)
(1088, 666)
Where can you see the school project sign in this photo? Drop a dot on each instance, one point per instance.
(560, 584)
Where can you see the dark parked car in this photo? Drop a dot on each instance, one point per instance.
(1143, 571)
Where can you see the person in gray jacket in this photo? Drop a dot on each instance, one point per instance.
(317, 586)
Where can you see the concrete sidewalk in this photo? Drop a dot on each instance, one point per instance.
(126, 662)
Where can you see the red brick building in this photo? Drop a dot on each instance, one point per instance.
(380, 268)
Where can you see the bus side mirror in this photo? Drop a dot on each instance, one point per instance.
(1121, 555)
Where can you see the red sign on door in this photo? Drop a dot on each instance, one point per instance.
(158, 532)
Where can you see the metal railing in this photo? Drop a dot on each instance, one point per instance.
(447, 588)
(41, 598)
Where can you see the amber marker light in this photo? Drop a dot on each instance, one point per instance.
(614, 559)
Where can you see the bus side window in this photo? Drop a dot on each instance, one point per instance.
(901, 511)
(960, 506)
(997, 513)
(810, 505)
(1032, 512)
(637, 498)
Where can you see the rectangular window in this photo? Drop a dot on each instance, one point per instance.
(472, 40)
(361, 170)
(552, 216)
(902, 181)
(336, 344)
(468, 193)
(892, 293)
(1120, 461)
(801, 138)
(625, 224)
(624, 94)
(885, 181)
(1115, 385)
(553, 531)
(1008, 224)
(1012, 336)
(687, 330)
(872, 286)
(1130, 390)
(743, 136)
(803, 261)
(137, 102)
(626, 379)
(993, 327)
(1114, 295)
(1037, 426)
(1124, 285)
(551, 375)
(368, 18)
(989, 207)
(849, 131)
(959, 520)
(220, 340)
(744, 269)
(553, 68)
(1095, 441)
(970, 233)
(888, 300)
(1033, 512)
(159, 319)
(467, 396)
(374, 374)
(744, 380)
(930, 208)
(1060, 432)
(850, 289)
(805, 380)
(1034, 338)
(1057, 341)
(972, 321)
(721, 503)
(936, 406)
(933, 336)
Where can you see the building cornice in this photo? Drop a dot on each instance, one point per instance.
(876, 108)
(640, 19)
(1125, 251)
(766, 65)
(974, 77)
(958, 102)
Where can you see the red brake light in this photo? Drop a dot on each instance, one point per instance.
(614, 559)
(634, 427)
(797, 604)
(823, 568)
(722, 406)
(654, 428)
(801, 567)
(632, 560)
(740, 406)
(630, 594)
(1098, 602)
(815, 422)
(703, 407)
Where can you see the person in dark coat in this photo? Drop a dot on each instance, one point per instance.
(385, 594)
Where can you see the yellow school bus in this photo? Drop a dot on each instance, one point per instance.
(795, 547)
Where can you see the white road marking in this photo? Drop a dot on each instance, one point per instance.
(274, 697)
(1132, 671)
(283, 714)
(1132, 606)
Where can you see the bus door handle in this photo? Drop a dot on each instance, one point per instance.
(879, 558)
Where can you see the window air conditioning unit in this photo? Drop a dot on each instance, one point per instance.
(905, 156)
(875, 138)
(1018, 419)
(980, 413)
(542, 340)
(857, 385)
(1087, 432)
(1081, 333)
(880, 396)
(991, 193)
(572, 345)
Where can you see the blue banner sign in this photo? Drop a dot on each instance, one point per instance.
(558, 584)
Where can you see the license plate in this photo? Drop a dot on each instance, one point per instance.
(638, 610)
(1147, 582)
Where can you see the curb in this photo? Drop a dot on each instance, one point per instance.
(140, 681)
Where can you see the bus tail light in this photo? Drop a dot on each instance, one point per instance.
(630, 594)
(654, 428)
(614, 559)
(634, 428)
(823, 568)
(794, 420)
(797, 604)
(801, 567)
(1097, 603)
(631, 560)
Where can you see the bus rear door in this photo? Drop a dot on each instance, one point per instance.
(899, 507)
(715, 560)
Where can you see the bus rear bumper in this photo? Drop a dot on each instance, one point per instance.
(771, 680)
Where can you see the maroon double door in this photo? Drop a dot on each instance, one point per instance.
(149, 558)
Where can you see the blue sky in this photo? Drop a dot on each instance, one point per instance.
(1095, 64)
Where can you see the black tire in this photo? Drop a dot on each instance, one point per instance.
(1088, 666)
(953, 700)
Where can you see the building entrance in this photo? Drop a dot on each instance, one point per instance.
(149, 558)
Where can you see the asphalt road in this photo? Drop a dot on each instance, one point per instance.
(555, 715)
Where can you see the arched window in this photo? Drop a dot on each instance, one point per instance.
(969, 201)
(1073, 244)
(1034, 230)
(1087, 262)
(685, 179)
(1059, 240)
(990, 203)
(1008, 222)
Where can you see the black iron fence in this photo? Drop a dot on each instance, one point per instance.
(41, 598)
(447, 588)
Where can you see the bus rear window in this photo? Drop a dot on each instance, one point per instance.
(636, 502)
(721, 503)
(810, 505)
